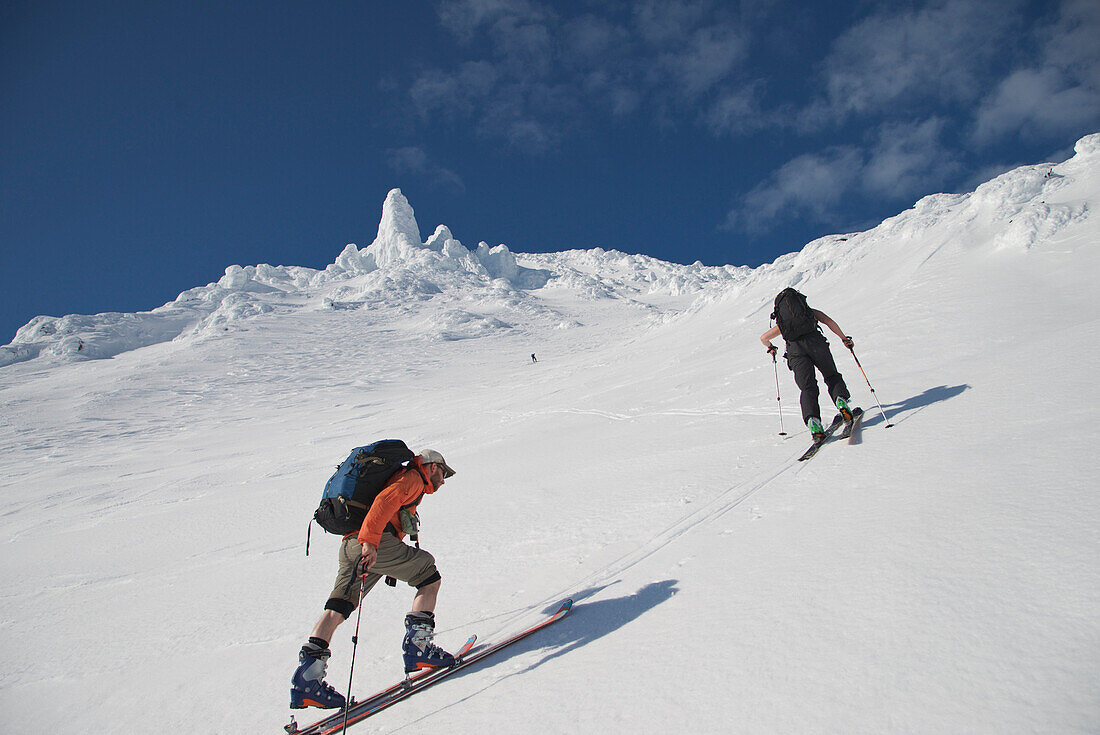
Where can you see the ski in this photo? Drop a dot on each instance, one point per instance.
(359, 711)
(857, 434)
(338, 716)
(468, 660)
(837, 421)
(852, 426)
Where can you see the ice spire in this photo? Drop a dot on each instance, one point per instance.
(398, 232)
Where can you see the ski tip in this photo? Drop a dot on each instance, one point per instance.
(465, 648)
(556, 611)
(565, 606)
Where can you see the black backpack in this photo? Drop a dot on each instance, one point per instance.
(357, 481)
(793, 315)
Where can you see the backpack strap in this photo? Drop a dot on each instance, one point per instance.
(415, 537)
(416, 501)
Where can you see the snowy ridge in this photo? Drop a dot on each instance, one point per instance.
(397, 268)
(599, 273)
(940, 576)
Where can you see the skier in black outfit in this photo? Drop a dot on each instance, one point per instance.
(807, 350)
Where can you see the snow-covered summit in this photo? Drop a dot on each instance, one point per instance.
(397, 230)
(397, 246)
(491, 285)
(397, 268)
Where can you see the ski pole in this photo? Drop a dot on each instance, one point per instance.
(873, 395)
(354, 645)
(775, 365)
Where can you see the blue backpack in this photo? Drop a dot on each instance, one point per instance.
(357, 481)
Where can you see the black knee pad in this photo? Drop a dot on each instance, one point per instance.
(343, 607)
(435, 577)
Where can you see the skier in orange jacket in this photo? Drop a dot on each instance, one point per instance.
(378, 550)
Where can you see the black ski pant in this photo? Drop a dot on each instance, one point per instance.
(806, 354)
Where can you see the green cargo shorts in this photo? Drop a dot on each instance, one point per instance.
(395, 559)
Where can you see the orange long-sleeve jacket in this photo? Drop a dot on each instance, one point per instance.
(404, 490)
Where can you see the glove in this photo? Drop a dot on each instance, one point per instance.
(848, 342)
(772, 350)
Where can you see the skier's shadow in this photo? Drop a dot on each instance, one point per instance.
(586, 622)
(904, 410)
(593, 620)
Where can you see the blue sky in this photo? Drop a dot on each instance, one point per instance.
(145, 146)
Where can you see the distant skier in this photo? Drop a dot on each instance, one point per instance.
(533, 358)
(378, 551)
(808, 349)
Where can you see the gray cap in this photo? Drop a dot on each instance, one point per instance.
(429, 456)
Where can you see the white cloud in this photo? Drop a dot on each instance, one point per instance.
(1071, 42)
(1036, 101)
(466, 18)
(662, 22)
(704, 60)
(737, 110)
(809, 186)
(943, 52)
(458, 92)
(906, 161)
(414, 161)
(1057, 95)
(532, 76)
(951, 55)
(530, 73)
(410, 159)
(527, 49)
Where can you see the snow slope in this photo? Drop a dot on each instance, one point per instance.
(939, 576)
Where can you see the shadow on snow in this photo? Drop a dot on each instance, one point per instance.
(904, 410)
(586, 622)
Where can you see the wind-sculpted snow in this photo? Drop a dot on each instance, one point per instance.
(600, 273)
(394, 272)
(397, 270)
(88, 337)
(233, 308)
